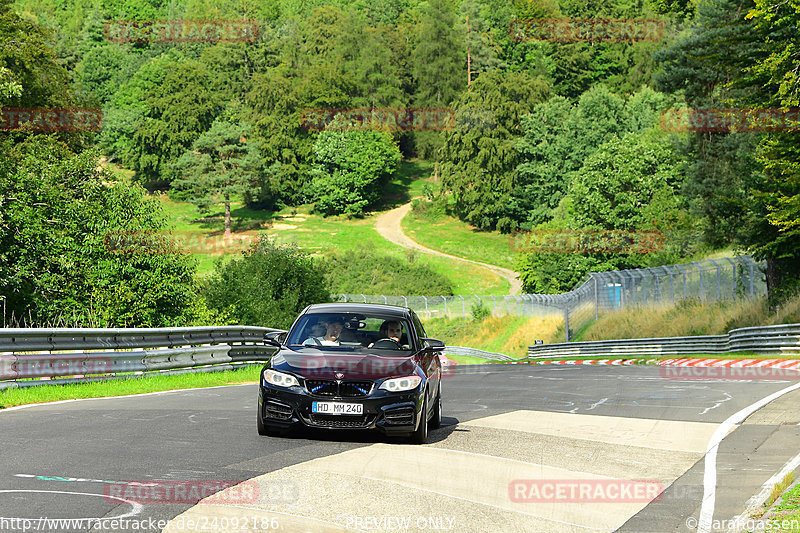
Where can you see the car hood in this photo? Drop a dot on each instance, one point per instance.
(316, 364)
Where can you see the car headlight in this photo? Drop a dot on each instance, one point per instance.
(279, 379)
(401, 384)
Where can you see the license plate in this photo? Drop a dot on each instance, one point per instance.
(337, 408)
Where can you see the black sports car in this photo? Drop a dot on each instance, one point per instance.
(353, 366)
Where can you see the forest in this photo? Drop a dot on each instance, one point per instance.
(531, 134)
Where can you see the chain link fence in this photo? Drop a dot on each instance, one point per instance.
(710, 280)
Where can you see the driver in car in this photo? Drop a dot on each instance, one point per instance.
(390, 329)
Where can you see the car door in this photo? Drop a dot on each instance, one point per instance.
(430, 362)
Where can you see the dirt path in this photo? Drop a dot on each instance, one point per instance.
(388, 225)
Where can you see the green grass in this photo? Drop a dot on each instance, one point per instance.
(314, 234)
(121, 387)
(785, 516)
(449, 235)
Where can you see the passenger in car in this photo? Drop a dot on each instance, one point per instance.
(333, 328)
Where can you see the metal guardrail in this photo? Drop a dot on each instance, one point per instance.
(91, 354)
(766, 340)
(474, 352)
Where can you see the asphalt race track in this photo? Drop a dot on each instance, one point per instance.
(513, 437)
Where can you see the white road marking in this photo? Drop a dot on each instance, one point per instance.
(136, 508)
(710, 472)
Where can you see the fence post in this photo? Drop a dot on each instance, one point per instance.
(405, 301)
(494, 306)
(702, 289)
(752, 275)
(445, 306)
(426, 304)
(385, 301)
(463, 306)
(684, 279)
(566, 323)
(718, 288)
(596, 301)
(733, 272)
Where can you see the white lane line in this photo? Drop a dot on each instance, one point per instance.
(136, 507)
(27, 405)
(710, 473)
(756, 503)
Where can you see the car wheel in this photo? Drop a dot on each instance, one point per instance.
(262, 429)
(266, 431)
(436, 419)
(420, 436)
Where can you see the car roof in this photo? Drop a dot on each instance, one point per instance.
(384, 310)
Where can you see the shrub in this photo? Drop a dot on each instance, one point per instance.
(365, 272)
(266, 286)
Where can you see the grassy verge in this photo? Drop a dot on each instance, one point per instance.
(785, 516)
(509, 334)
(688, 317)
(449, 235)
(203, 236)
(122, 387)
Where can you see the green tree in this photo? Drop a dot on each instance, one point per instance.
(351, 165)
(221, 164)
(479, 160)
(59, 213)
(176, 113)
(268, 286)
(772, 77)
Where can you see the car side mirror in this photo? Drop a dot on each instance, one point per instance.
(275, 338)
(434, 345)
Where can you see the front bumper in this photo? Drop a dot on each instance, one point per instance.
(392, 413)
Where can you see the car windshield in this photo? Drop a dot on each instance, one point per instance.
(351, 331)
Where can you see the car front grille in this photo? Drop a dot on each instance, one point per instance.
(399, 416)
(277, 410)
(342, 389)
(341, 421)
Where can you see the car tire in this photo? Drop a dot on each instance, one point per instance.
(420, 436)
(436, 419)
(266, 431)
